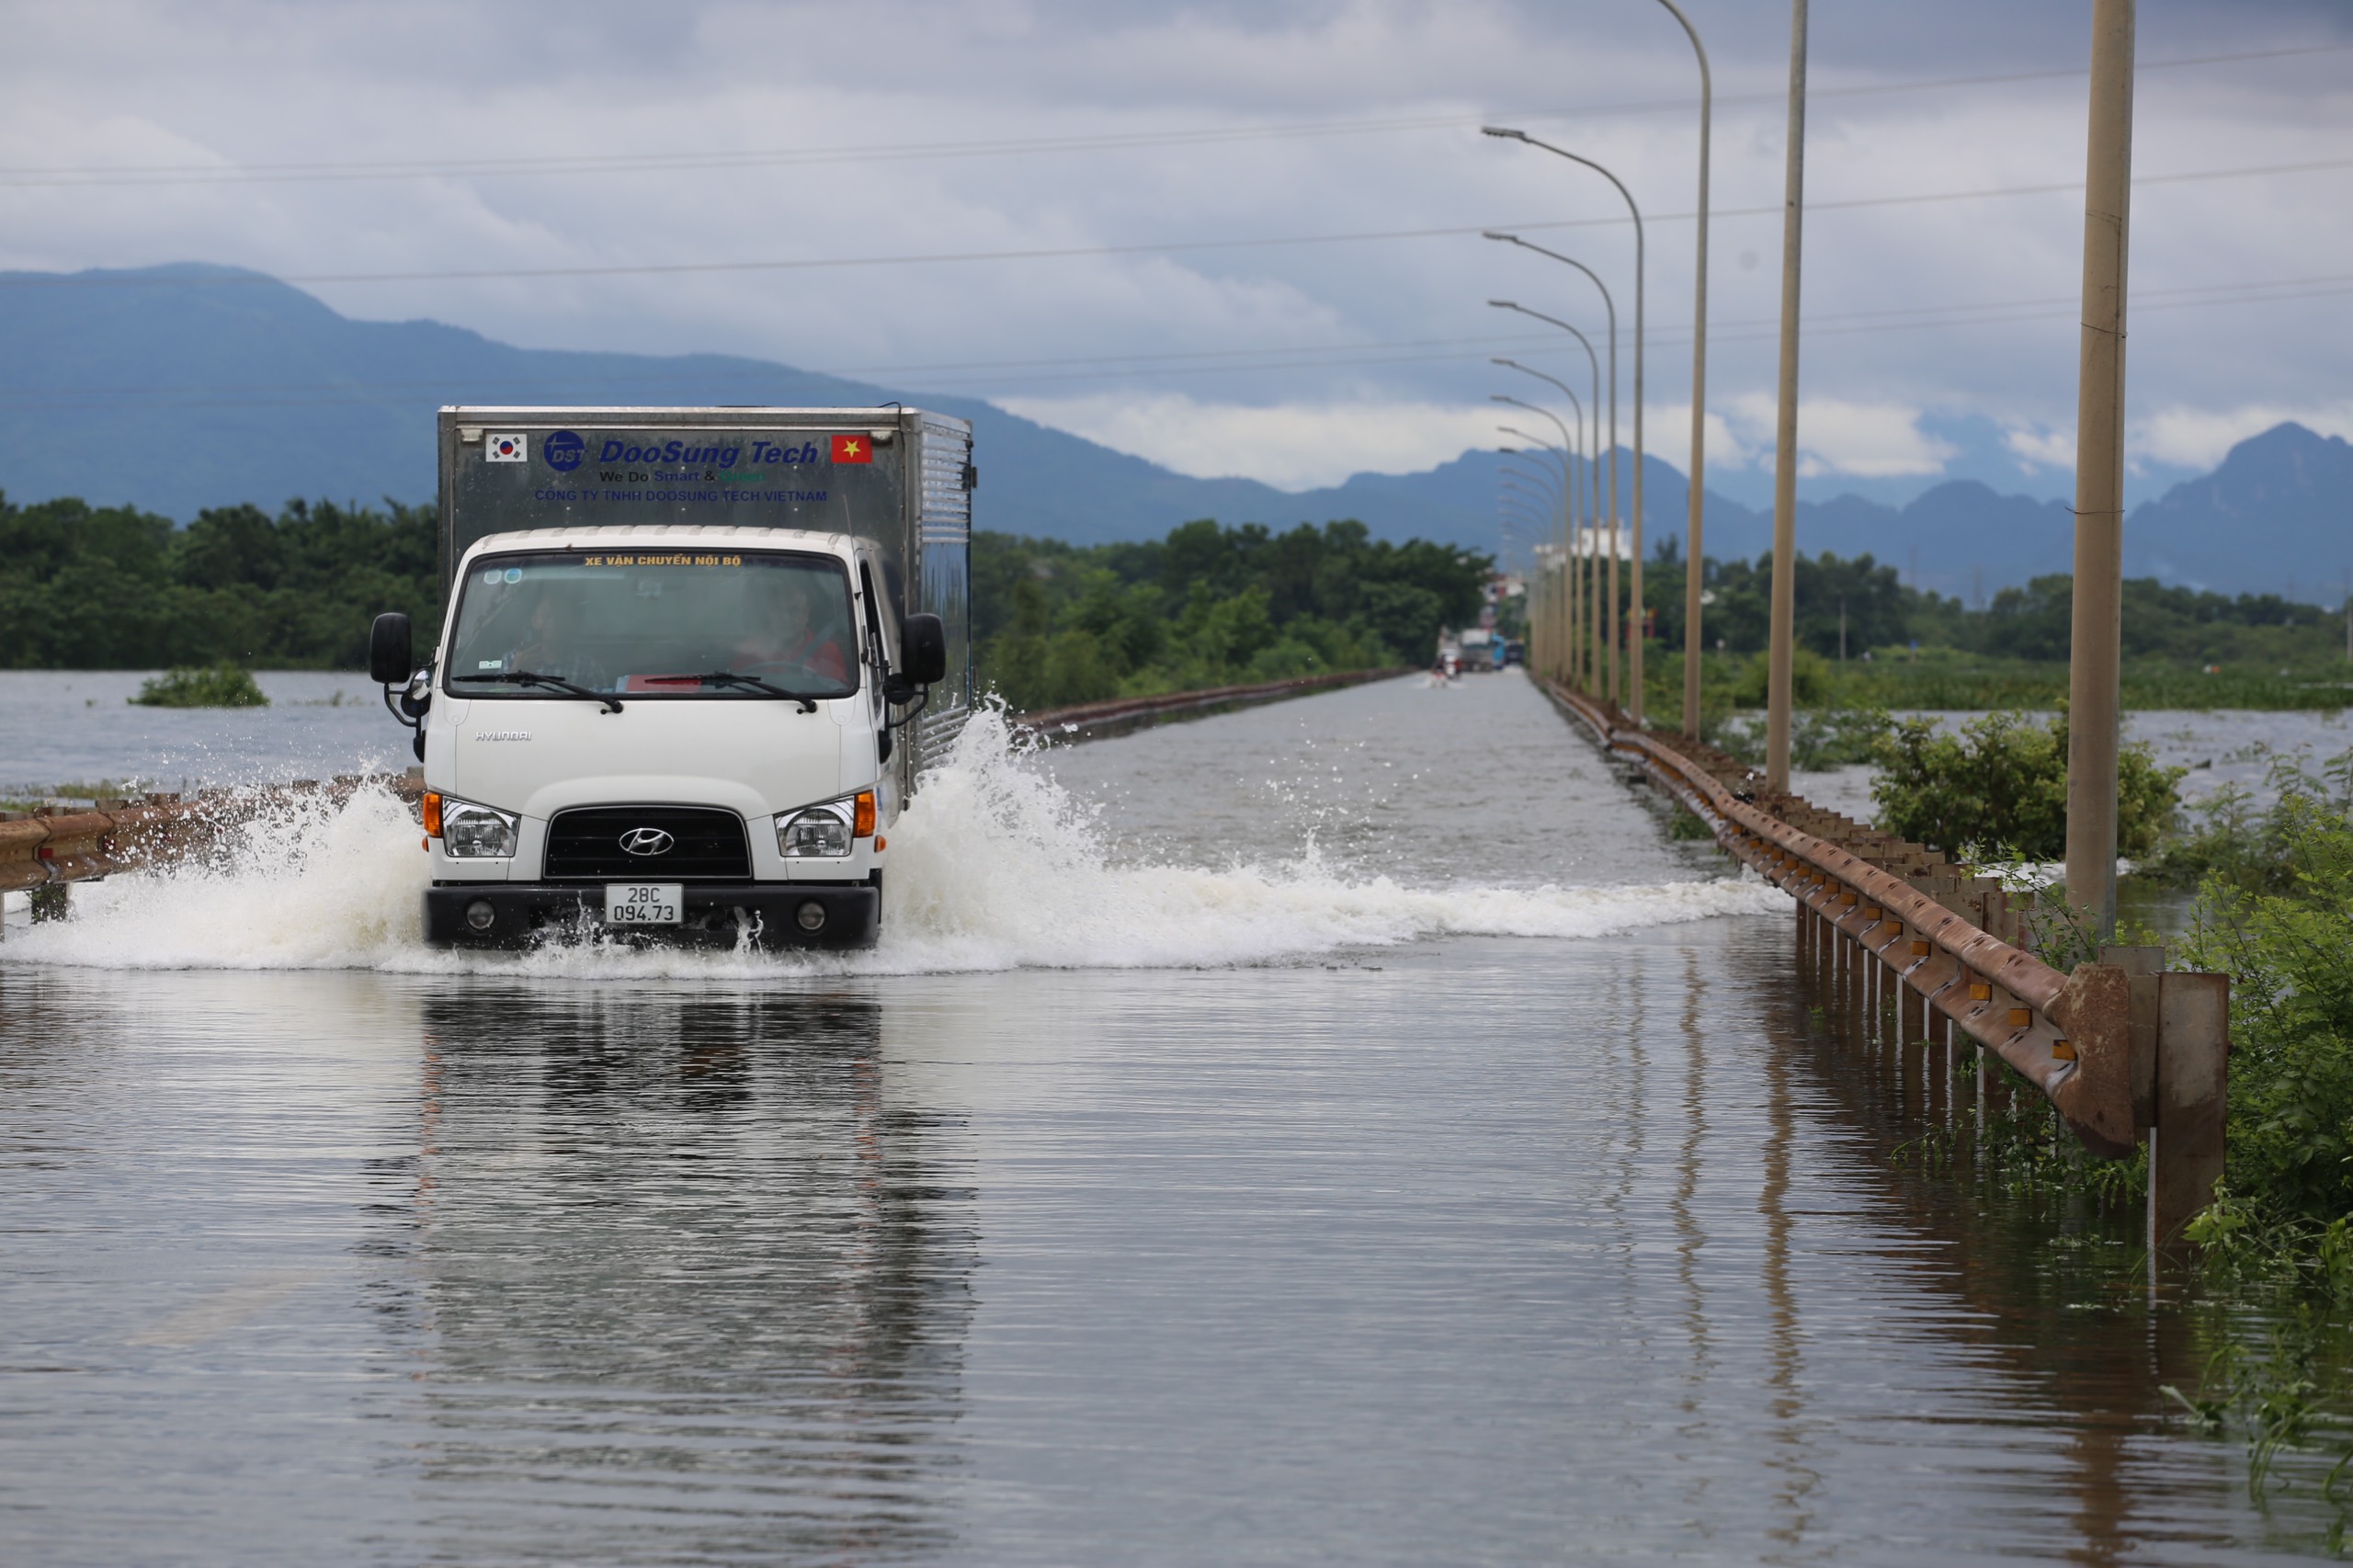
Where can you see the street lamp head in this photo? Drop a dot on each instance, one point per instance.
(1495, 234)
(1504, 131)
(1504, 305)
(1497, 397)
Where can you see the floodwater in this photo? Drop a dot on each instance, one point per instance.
(1344, 1132)
(80, 727)
(2222, 748)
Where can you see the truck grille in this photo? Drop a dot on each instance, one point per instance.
(706, 845)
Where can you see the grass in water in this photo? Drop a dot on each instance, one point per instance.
(222, 686)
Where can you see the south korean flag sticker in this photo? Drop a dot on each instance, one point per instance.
(504, 450)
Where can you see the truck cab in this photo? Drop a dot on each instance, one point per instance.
(699, 728)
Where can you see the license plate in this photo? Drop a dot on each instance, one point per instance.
(644, 904)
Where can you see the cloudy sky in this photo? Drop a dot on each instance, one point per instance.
(1244, 238)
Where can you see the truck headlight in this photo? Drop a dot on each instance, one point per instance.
(476, 832)
(819, 831)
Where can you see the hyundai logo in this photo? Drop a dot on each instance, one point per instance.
(647, 841)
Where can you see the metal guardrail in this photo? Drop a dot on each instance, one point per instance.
(1088, 719)
(2129, 1056)
(43, 852)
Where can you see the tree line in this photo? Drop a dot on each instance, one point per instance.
(1879, 611)
(1211, 605)
(85, 586)
(92, 587)
(113, 587)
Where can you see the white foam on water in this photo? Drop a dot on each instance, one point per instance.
(992, 865)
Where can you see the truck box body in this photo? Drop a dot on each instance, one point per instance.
(908, 487)
(675, 689)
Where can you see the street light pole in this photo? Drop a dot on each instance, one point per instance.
(1546, 502)
(1691, 587)
(2094, 649)
(1779, 660)
(1569, 603)
(1634, 650)
(1569, 519)
(1511, 511)
(1610, 305)
(1593, 362)
(1593, 474)
(1551, 495)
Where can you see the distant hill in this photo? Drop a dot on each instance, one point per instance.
(178, 388)
(2275, 518)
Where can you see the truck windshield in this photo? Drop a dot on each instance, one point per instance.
(655, 623)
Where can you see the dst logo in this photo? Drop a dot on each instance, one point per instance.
(564, 449)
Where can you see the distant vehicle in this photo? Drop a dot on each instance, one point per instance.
(1515, 653)
(693, 663)
(1481, 648)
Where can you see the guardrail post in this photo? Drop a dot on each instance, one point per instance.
(51, 902)
(2186, 1140)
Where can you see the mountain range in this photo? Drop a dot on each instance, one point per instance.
(182, 386)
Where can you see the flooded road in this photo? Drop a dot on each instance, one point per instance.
(1257, 1146)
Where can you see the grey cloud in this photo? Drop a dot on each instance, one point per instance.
(117, 82)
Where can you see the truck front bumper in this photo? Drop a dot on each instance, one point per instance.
(521, 915)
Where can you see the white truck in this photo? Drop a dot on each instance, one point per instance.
(693, 662)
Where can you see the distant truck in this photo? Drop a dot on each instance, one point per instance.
(1482, 650)
(693, 664)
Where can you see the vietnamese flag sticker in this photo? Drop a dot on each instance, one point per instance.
(853, 450)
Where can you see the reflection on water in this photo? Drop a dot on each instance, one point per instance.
(1604, 1242)
(687, 1282)
(326, 1269)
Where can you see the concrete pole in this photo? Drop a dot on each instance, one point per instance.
(1785, 457)
(1615, 690)
(1576, 443)
(2094, 651)
(1589, 657)
(1697, 535)
(1541, 523)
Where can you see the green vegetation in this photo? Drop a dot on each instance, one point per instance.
(1905, 650)
(1999, 790)
(2018, 627)
(1209, 606)
(2275, 912)
(85, 587)
(223, 685)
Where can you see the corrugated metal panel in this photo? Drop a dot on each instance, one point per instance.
(944, 533)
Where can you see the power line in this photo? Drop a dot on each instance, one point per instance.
(1199, 361)
(1064, 253)
(136, 175)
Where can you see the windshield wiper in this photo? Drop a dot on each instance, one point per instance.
(729, 677)
(527, 677)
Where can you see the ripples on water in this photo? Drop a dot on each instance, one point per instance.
(1443, 1192)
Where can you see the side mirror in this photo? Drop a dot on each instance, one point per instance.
(389, 658)
(923, 649)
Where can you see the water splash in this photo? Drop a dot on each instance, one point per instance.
(993, 866)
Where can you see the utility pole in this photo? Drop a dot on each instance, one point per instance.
(1696, 542)
(1785, 456)
(2095, 655)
